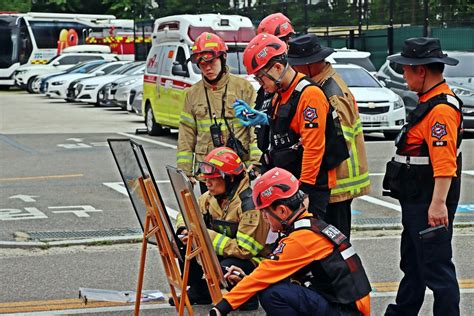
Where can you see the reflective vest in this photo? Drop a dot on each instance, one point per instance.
(352, 175)
(286, 150)
(409, 175)
(340, 276)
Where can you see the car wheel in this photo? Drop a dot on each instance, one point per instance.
(36, 85)
(390, 135)
(29, 85)
(153, 128)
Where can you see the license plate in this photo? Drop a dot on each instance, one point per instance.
(373, 118)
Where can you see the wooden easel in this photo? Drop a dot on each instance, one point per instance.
(154, 227)
(195, 235)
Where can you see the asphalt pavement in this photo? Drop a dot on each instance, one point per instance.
(67, 221)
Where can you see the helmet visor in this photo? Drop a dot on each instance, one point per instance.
(206, 57)
(209, 171)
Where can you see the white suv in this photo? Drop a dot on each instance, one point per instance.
(25, 75)
(381, 110)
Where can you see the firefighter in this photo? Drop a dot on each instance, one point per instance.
(237, 230)
(425, 176)
(307, 56)
(302, 128)
(280, 26)
(313, 270)
(208, 119)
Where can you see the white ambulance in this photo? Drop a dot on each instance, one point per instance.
(167, 71)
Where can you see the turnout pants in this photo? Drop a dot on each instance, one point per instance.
(425, 263)
(288, 299)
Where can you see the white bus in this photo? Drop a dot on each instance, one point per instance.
(32, 38)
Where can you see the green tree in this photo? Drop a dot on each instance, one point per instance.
(15, 5)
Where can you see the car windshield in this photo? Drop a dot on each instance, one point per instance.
(53, 59)
(357, 77)
(235, 61)
(365, 63)
(123, 69)
(87, 68)
(138, 69)
(465, 68)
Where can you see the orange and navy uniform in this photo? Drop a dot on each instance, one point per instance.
(294, 252)
(309, 122)
(439, 130)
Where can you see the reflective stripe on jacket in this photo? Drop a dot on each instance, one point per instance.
(352, 175)
(247, 240)
(194, 139)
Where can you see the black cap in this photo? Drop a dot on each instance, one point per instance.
(306, 49)
(422, 51)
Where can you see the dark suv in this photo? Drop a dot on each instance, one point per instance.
(460, 78)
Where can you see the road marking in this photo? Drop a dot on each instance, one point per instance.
(469, 172)
(156, 142)
(383, 203)
(120, 187)
(43, 177)
(71, 306)
(24, 197)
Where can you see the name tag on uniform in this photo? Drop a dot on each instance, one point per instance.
(439, 143)
(334, 234)
(311, 125)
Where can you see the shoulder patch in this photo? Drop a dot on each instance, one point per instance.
(438, 130)
(310, 114)
(246, 200)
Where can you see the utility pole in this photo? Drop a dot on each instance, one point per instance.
(426, 21)
(390, 29)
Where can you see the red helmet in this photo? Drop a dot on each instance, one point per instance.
(220, 162)
(276, 24)
(261, 49)
(275, 184)
(207, 47)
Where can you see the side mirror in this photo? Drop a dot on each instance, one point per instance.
(178, 70)
(100, 73)
(56, 63)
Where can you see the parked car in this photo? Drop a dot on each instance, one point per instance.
(352, 56)
(460, 78)
(57, 86)
(135, 100)
(381, 110)
(25, 75)
(87, 90)
(116, 93)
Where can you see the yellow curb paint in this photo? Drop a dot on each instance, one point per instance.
(43, 177)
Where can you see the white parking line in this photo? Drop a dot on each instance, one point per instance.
(383, 203)
(156, 142)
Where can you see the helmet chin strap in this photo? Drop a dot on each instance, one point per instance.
(286, 223)
(280, 78)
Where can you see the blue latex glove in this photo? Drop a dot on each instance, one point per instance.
(249, 116)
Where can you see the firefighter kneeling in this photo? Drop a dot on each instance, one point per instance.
(313, 269)
(236, 229)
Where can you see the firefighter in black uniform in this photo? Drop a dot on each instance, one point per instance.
(279, 25)
(425, 176)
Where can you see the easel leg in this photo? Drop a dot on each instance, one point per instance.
(142, 267)
(187, 261)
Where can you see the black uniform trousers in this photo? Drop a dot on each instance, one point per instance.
(425, 263)
(339, 215)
